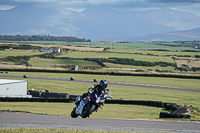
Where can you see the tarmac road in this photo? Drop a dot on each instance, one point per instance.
(17, 120)
(114, 83)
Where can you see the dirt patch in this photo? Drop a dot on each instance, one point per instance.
(11, 66)
(8, 43)
(23, 66)
(190, 62)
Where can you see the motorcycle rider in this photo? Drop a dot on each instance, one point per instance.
(100, 89)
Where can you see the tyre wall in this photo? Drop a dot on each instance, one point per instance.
(177, 111)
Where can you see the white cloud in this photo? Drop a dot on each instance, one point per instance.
(191, 6)
(35, 0)
(6, 7)
(84, 2)
(76, 9)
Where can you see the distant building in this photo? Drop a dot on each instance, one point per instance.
(50, 50)
(74, 67)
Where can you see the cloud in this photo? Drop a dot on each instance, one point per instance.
(76, 9)
(6, 7)
(34, 0)
(78, 2)
(191, 6)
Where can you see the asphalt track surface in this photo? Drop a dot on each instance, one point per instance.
(17, 120)
(114, 83)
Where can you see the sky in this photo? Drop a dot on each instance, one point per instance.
(189, 6)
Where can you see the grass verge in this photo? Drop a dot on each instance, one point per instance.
(38, 62)
(114, 111)
(162, 81)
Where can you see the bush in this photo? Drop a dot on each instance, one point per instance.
(99, 61)
(17, 59)
(127, 61)
(197, 56)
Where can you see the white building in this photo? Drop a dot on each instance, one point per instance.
(51, 50)
(74, 67)
(13, 88)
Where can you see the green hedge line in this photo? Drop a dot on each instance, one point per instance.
(13, 46)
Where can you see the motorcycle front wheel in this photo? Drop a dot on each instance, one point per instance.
(73, 113)
(88, 109)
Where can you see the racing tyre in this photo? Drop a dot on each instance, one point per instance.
(73, 113)
(88, 109)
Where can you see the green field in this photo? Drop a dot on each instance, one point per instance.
(133, 45)
(111, 65)
(117, 55)
(166, 53)
(162, 81)
(4, 54)
(139, 51)
(39, 62)
(118, 92)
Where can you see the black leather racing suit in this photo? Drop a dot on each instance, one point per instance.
(96, 88)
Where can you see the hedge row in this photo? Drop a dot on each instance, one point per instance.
(13, 46)
(42, 38)
(126, 61)
(100, 73)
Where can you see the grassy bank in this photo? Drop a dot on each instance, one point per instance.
(162, 81)
(64, 109)
(39, 62)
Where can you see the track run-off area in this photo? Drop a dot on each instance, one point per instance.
(113, 83)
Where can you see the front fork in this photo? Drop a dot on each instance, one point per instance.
(79, 107)
(83, 102)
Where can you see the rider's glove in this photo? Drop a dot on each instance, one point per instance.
(90, 91)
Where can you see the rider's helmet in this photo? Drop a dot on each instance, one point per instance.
(103, 84)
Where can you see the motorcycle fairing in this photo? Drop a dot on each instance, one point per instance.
(82, 104)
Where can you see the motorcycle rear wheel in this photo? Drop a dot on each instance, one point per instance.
(88, 109)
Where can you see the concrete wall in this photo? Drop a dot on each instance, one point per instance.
(13, 88)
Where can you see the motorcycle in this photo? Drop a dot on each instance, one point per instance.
(89, 104)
